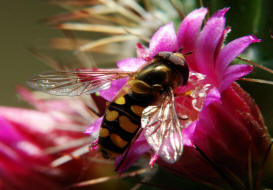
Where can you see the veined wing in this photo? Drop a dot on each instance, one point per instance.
(162, 129)
(74, 83)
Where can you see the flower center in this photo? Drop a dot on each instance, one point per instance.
(189, 99)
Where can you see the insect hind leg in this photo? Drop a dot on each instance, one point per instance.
(127, 150)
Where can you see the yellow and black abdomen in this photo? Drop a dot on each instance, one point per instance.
(122, 118)
(120, 124)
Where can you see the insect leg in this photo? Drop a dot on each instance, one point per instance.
(127, 150)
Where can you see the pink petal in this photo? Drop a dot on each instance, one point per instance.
(221, 12)
(220, 124)
(130, 64)
(110, 93)
(17, 140)
(163, 40)
(213, 96)
(29, 119)
(190, 28)
(8, 133)
(29, 97)
(208, 41)
(94, 127)
(138, 148)
(221, 41)
(216, 131)
(153, 159)
(233, 73)
(232, 50)
(142, 52)
(188, 32)
(187, 134)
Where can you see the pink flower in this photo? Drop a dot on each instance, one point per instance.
(27, 135)
(223, 124)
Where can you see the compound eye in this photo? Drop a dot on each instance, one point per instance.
(178, 60)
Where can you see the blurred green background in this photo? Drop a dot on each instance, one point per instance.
(21, 28)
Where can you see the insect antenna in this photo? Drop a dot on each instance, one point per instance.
(187, 53)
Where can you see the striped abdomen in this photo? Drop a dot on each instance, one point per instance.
(120, 124)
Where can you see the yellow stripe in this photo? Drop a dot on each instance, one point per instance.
(118, 141)
(111, 115)
(120, 100)
(103, 132)
(137, 110)
(126, 124)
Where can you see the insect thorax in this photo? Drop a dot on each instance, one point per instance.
(160, 76)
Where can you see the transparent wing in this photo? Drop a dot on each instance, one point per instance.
(74, 83)
(162, 129)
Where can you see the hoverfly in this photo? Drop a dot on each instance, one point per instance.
(147, 103)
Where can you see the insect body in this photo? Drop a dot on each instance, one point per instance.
(123, 116)
(149, 103)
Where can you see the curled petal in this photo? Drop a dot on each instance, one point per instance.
(29, 97)
(187, 134)
(163, 40)
(233, 73)
(221, 13)
(188, 32)
(220, 125)
(221, 41)
(190, 28)
(213, 96)
(142, 51)
(8, 133)
(130, 64)
(139, 147)
(12, 136)
(208, 41)
(94, 127)
(28, 119)
(110, 93)
(232, 50)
